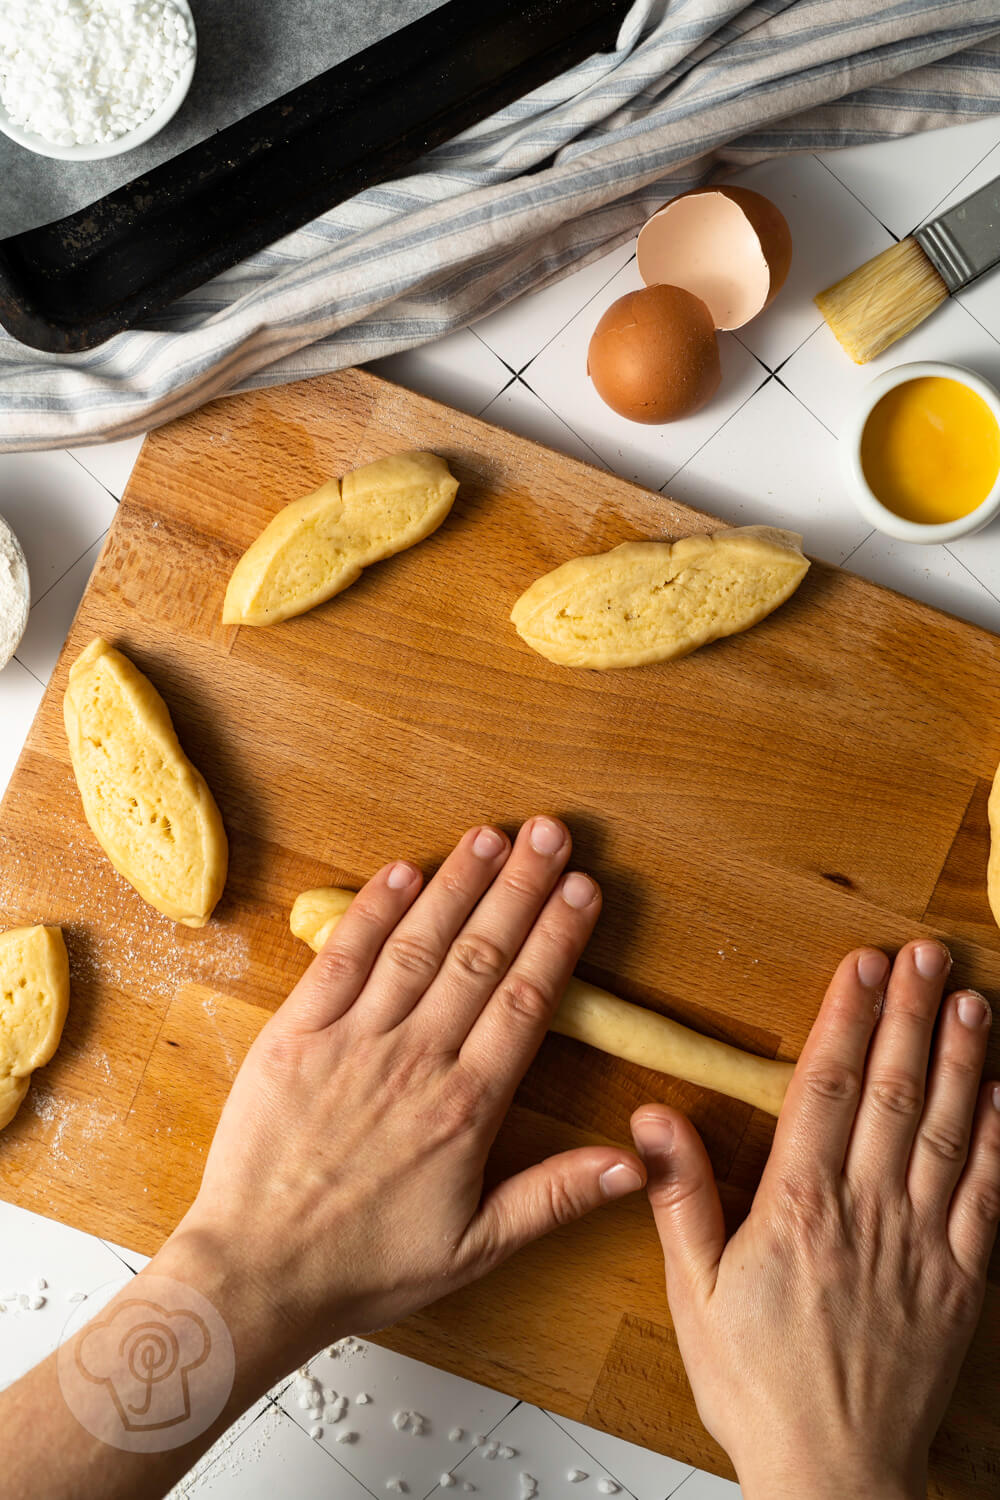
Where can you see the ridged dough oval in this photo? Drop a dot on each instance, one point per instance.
(651, 601)
(34, 1000)
(149, 808)
(318, 546)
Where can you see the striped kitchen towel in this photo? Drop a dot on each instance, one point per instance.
(549, 183)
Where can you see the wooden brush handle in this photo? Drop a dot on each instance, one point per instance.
(601, 1020)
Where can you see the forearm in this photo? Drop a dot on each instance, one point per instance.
(47, 1450)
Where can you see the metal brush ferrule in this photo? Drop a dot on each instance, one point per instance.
(964, 241)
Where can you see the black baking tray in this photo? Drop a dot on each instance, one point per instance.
(72, 284)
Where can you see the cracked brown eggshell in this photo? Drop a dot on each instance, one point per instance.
(728, 245)
(653, 356)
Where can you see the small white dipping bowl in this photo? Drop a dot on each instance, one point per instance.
(122, 143)
(868, 503)
(22, 588)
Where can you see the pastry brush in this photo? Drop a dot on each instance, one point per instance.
(893, 293)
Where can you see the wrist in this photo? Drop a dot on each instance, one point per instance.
(829, 1480)
(267, 1340)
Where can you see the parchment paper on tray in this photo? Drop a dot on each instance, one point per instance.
(249, 52)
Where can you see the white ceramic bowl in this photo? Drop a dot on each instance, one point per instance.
(132, 138)
(21, 577)
(879, 515)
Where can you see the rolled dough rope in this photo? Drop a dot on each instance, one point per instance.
(642, 1036)
(603, 1021)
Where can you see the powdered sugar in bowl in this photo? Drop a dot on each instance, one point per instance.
(85, 79)
(14, 593)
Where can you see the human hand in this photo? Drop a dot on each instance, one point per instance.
(344, 1187)
(823, 1341)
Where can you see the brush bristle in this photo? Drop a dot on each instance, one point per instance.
(883, 299)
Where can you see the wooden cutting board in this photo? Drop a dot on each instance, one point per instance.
(752, 812)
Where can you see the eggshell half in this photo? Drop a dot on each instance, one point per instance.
(728, 245)
(653, 356)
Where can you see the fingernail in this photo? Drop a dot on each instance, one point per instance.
(653, 1135)
(578, 890)
(547, 836)
(974, 1010)
(400, 876)
(996, 1096)
(931, 960)
(487, 843)
(873, 969)
(619, 1180)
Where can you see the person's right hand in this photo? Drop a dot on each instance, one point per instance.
(824, 1340)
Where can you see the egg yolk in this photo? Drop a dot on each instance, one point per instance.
(930, 450)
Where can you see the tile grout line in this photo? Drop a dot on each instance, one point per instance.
(582, 308)
(712, 436)
(181, 1483)
(108, 1246)
(578, 435)
(794, 394)
(603, 1467)
(56, 581)
(69, 454)
(974, 576)
(41, 684)
(956, 297)
(955, 185)
(472, 329)
(848, 189)
(864, 539)
(505, 387)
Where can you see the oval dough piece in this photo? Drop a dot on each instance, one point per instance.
(652, 601)
(993, 868)
(34, 999)
(149, 808)
(317, 546)
(603, 1021)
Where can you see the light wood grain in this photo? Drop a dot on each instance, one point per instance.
(752, 812)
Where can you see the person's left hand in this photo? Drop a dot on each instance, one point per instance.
(344, 1187)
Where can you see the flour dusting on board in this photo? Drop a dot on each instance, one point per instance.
(74, 1120)
(110, 951)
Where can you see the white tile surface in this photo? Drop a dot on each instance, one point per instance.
(646, 1475)
(33, 1247)
(981, 555)
(56, 509)
(932, 574)
(274, 1457)
(519, 410)
(904, 182)
(831, 234)
(827, 381)
(543, 1450)
(774, 463)
(20, 695)
(110, 463)
(396, 1383)
(190, 1484)
(518, 331)
(459, 371)
(51, 617)
(649, 455)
